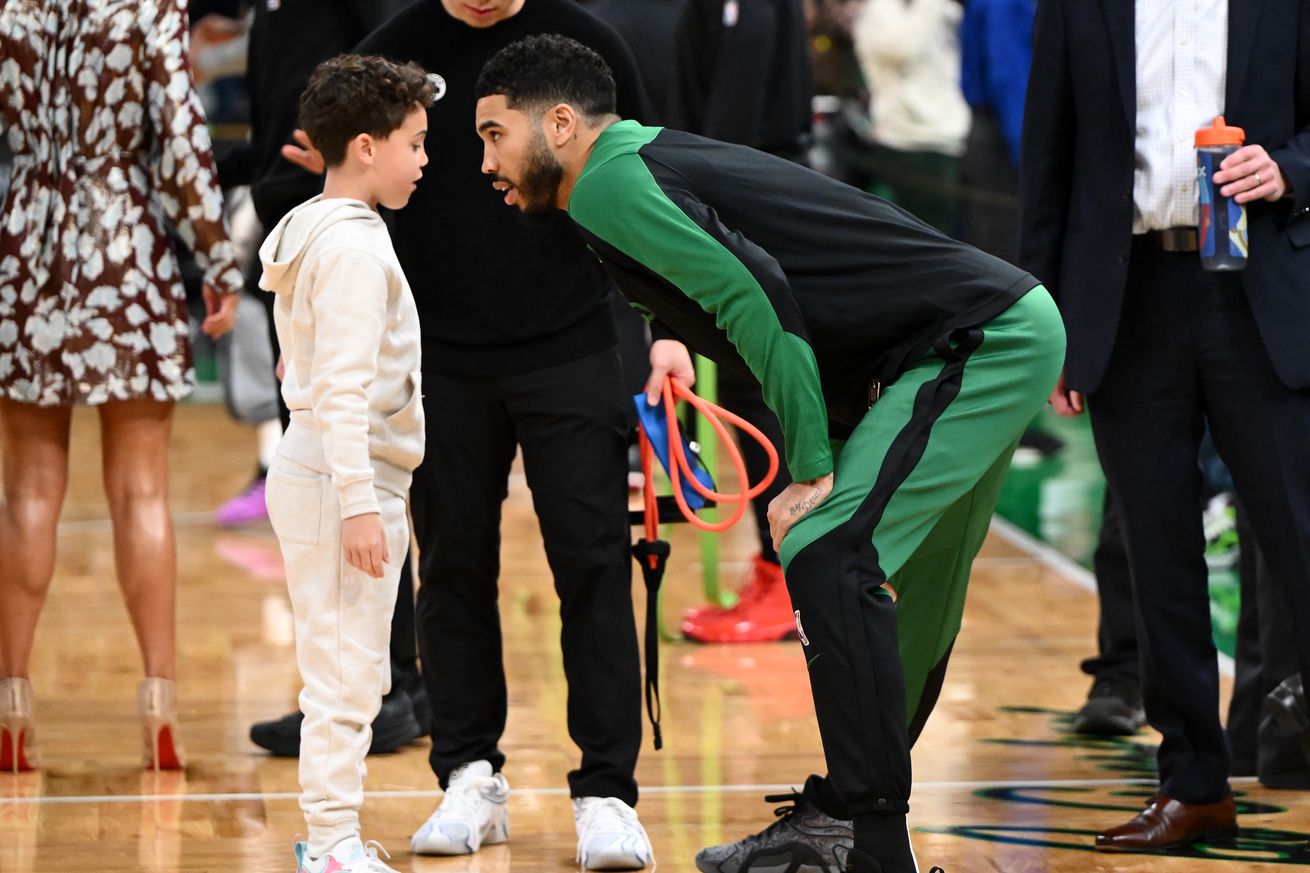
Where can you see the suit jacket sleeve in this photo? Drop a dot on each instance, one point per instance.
(1046, 161)
(1293, 158)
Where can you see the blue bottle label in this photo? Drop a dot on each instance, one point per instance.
(1221, 224)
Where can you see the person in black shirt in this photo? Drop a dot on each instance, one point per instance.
(518, 352)
(833, 299)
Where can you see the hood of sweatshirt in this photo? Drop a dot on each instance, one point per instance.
(282, 253)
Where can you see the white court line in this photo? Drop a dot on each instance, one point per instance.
(1067, 567)
(563, 792)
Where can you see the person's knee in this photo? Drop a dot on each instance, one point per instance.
(132, 494)
(33, 501)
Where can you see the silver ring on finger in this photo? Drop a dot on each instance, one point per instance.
(1257, 180)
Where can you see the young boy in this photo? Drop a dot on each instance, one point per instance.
(337, 488)
(832, 299)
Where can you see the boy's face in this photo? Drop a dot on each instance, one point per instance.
(516, 155)
(482, 13)
(399, 160)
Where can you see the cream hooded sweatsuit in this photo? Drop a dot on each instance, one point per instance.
(349, 332)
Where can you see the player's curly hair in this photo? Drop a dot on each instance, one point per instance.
(549, 69)
(353, 94)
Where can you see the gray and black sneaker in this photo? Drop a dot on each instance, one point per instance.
(804, 839)
(1113, 709)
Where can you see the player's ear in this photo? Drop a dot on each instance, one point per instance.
(561, 123)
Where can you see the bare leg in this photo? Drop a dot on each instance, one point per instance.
(36, 476)
(135, 436)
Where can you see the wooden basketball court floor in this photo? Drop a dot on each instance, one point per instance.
(1001, 783)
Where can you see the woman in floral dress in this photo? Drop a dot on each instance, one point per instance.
(110, 149)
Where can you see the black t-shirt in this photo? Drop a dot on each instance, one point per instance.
(650, 28)
(495, 295)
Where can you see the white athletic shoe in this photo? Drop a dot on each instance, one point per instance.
(347, 856)
(609, 835)
(472, 814)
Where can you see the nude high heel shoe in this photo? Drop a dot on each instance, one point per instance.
(17, 727)
(157, 699)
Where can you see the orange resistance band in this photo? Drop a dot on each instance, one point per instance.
(679, 468)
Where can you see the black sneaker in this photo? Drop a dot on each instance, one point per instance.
(394, 726)
(1113, 709)
(1287, 705)
(804, 839)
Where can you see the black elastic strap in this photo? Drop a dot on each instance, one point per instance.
(643, 551)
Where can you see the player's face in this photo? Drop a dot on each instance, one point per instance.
(482, 13)
(400, 159)
(518, 158)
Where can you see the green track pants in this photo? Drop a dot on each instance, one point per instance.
(913, 494)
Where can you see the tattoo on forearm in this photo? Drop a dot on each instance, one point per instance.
(807, 504)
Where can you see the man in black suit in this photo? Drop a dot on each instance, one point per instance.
(1158, 345)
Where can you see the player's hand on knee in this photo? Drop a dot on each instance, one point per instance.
(798, 500)
(364, 543)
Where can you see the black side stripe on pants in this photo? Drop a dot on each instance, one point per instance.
(909, 445)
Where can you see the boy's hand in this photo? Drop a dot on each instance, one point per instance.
(794, 503)
(305, 156)
(365, 544)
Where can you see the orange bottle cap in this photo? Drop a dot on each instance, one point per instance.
(1220, 134)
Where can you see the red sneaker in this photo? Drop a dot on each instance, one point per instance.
(763, 614)
(758, 577)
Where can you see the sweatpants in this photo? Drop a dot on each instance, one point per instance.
(914, 489)
(343, 631)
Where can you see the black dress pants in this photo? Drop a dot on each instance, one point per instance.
(1188, 350)
(1266, 655)
(570, 421)
(1116, 629)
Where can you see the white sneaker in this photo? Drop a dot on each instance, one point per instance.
(472, 814)
(609, 835)
(347, 856)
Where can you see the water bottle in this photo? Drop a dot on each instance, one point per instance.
(1221, 223)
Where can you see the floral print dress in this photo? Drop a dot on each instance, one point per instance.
(110, 149)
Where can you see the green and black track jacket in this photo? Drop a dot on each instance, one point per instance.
(811, 285)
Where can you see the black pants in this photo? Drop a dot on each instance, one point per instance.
(743, 396)
(1188, 350)
(989, 190)
(404, 644)
(1116, 629)
(569, 421)
(1266, 655)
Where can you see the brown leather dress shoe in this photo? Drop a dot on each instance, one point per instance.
(1168, 824)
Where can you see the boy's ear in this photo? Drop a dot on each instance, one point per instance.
(364, 148)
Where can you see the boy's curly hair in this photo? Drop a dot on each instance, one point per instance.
(353, 94)
(550, 69)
